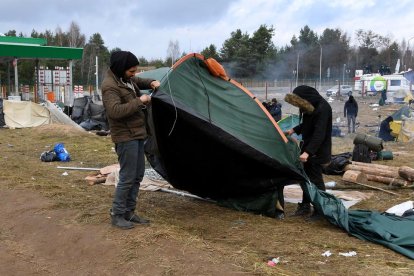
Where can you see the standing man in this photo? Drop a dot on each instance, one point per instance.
(124, 105)
(351, 112)
(316, 129)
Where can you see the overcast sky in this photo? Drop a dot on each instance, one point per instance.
(145, 27)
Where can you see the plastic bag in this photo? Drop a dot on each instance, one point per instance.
(61, 153)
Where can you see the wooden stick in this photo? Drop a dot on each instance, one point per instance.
(373, 187)
(78, 168)
(349, 186)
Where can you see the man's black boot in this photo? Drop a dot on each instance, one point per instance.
(132, 217)
(121, 222)
(303, 209)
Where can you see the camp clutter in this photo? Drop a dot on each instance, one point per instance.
(59, 153)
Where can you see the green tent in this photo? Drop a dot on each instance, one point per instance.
(210, 136)
(213, 138)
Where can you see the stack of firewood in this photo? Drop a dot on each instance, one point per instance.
(358, 172)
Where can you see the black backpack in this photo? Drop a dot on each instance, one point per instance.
(361, 153)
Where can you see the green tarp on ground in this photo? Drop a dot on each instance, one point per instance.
(394, 232)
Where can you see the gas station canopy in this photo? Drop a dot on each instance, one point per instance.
(33, 48)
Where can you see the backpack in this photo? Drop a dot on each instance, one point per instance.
(361, 153)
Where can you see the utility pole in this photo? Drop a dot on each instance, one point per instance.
(320, 67)
(343, 74)
(96, 73)
(297, 70)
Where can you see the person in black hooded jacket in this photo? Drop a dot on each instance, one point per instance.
(316, 129)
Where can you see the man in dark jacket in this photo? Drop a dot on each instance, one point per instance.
(124, 105)
(275, 110)
(316, 129)
(351, 112)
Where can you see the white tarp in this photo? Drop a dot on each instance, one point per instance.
(20, 114)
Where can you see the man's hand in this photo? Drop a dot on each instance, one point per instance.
(155, 84)
(289, 132)
(145, 99)
(304, 157)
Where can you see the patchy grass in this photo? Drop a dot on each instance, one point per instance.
(244, 240)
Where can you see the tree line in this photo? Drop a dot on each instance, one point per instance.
(309, 53)
(243, 55)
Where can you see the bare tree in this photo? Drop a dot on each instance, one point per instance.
(59, 37)
(173, 51)
(76, 39)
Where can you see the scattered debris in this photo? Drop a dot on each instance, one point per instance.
(327, 253)
(348, 254)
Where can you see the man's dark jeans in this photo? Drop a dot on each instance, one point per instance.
(132, 162)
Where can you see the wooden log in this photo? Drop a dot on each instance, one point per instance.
(354, 176)
(398, 182)
(372, 170)
(379, 166)
(406, 172)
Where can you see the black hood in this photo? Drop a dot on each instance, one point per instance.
(308, 93)
(122, 61)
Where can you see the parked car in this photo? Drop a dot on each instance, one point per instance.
(346, 90)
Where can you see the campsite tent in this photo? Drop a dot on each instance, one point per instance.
(403, 124)
(213, 138)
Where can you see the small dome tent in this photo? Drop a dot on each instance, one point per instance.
(212, 137)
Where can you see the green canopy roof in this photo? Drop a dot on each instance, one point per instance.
(32, 48)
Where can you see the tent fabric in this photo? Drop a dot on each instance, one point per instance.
(403, 124)
(205, 126)
(388, 230)
(400, 113)
(21, 114)
(406, 133)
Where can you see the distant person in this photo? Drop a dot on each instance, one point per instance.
(351, 112)
(124, 105)
(276, 110)
(383, 97)
(266, 105)
(316, 129)
(385, 130)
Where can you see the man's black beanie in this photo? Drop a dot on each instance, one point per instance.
(121, 61)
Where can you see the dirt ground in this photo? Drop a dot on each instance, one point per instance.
(54, 223)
